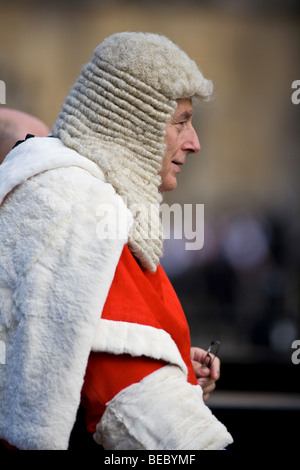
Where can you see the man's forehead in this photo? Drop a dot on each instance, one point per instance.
(184, 108)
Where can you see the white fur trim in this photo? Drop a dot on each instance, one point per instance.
(162, 412)
(55, 275)
(36, 155)
(119, 337)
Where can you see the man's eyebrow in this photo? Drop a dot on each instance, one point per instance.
(184, 115)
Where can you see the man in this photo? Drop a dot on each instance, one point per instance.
(87, 314)
(14, 126)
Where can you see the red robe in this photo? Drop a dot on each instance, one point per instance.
(135, 296)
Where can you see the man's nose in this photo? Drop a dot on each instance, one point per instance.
(192, 143)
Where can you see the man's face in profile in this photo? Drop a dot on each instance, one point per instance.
(181, 139)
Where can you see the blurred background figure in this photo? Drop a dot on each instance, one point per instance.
(15, 125)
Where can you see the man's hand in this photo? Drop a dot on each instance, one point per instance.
(206, 377)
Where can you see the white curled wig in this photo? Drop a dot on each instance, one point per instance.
(116, 115)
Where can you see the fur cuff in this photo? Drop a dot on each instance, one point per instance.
(119, 337)
(162, 412)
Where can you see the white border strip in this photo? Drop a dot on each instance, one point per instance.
(119, 337)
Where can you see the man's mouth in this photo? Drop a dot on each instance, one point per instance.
(177, 164)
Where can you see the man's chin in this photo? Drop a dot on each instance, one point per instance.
(164, 187)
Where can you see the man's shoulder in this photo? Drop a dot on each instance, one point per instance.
(75, 186)
(45, 174)
(39, 155)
